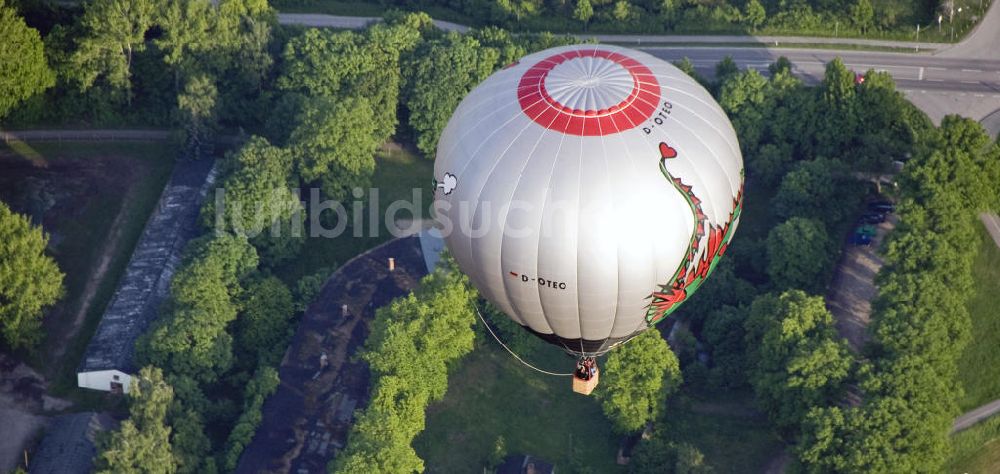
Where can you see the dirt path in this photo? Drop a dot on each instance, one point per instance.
(85, 135)
(99, 272)
(975, 415)
(853, 287)
(992, 223)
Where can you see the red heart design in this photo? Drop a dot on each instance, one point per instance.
(667, 151)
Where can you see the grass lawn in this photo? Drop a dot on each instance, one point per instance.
(94, 200)
(397, 174)
(733, 436)
(979, 367)
(977, 449)
(492, 395)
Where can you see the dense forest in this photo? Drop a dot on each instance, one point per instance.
(859, 18)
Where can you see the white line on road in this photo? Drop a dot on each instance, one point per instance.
(937, 69)
(972, 70)
(921, 76)
(970, 82)
(935, 80)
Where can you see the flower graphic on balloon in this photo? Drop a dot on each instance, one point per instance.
(447, 184)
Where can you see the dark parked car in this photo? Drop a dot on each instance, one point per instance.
(873, 218)
(882, 206)
(868, 230)
(861, 239)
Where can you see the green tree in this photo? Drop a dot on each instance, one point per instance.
(192, 338)
(142, 444)
(342, 65)
(724, 334)
(638, 377)
(441, 73)
(817, 188)
(257, 181)
(743, 96)
(687, 67)
(263, 327)
(29, 280)
(726, 68)
(261, 386)
(862, 15)
(186, 34)
(25, 70)
(796, 361)
(755, 14)
(583, 12)
(197, 104)
(800, 254)
(413, 342)
(309, 286)
(622, 11)
(114, 30)
(335, 144)
(191, 446)
(838, 84)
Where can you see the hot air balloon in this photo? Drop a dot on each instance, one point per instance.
(587, 191)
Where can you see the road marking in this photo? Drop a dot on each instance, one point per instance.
(972, 70)
(980, 95)
(935, 80)
(921, 76)
(970, 82)
(937, 69)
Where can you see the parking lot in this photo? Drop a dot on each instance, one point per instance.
(853, 285)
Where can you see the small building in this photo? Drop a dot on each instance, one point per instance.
(108, 363)
(69, 444)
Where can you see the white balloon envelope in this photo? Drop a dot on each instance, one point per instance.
(587, 191)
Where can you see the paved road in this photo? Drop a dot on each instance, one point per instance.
(765, 41)
(964, 78)
(974, 416)
(938, 85)
(982, 42)
(992, 223)
(84, 135)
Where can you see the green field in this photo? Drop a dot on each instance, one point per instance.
(977, 449)
(733, 436)
(490, 395)
(979, 367)
(94, 199)
(397, 174)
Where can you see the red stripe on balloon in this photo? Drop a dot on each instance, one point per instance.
(544, 110)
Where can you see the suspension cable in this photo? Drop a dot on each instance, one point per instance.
(488, 328)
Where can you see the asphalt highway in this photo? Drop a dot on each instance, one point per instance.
(968, 67)
(910, 71)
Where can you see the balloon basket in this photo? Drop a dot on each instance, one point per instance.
(585, 387)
